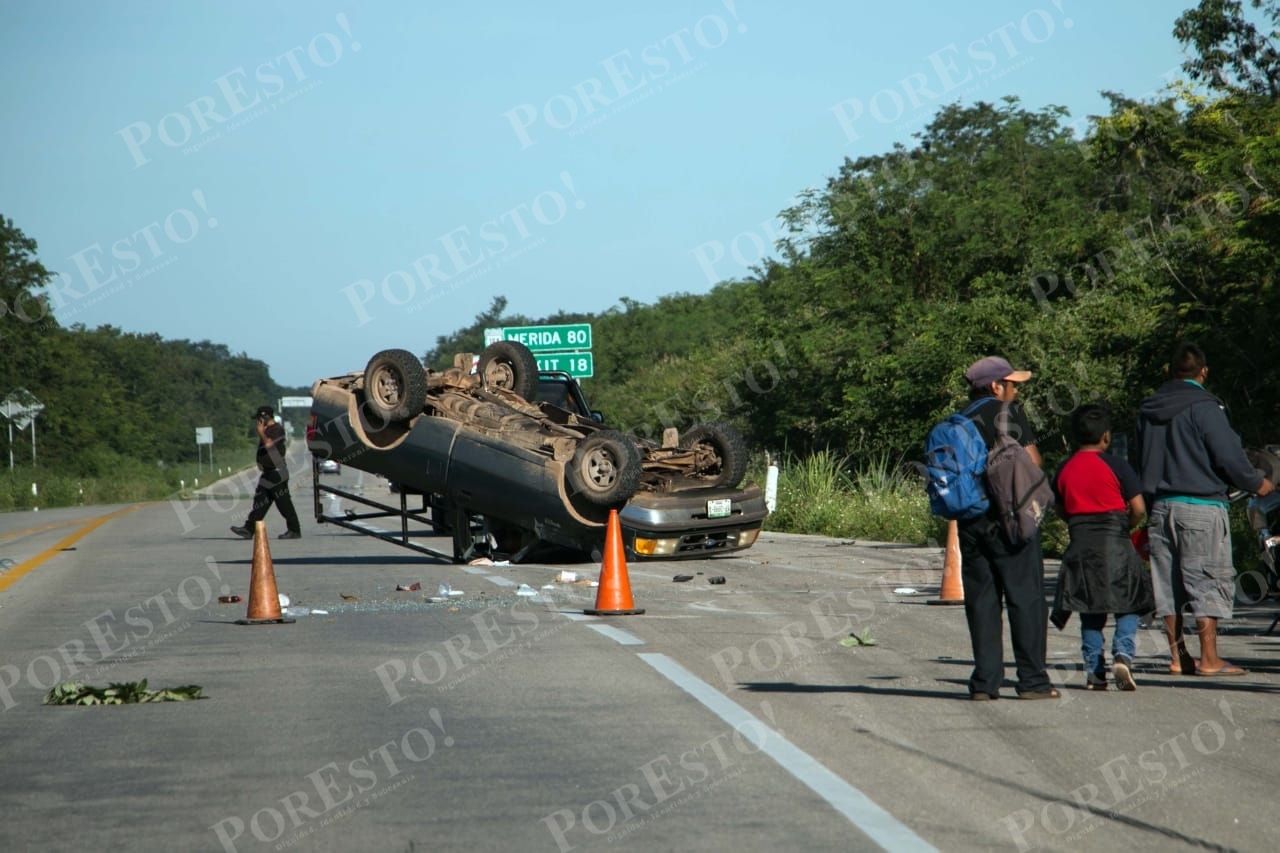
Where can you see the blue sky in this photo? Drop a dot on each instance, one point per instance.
(309, 183)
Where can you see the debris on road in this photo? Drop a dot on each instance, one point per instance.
(863, 639)
(123, 693)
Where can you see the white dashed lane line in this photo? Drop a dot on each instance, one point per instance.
(619, 636)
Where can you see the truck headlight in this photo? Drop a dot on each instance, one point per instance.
(655, 547)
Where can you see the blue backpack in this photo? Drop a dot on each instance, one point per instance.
(955, 458)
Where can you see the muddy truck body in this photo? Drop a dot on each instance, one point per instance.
(503, 460)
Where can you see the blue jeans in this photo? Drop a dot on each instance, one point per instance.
(1123, 641)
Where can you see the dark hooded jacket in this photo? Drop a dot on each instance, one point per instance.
(1188, 447)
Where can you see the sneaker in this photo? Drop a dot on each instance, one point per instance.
(242, 532)
(1123, 673)
(290, 534)
(1095, 682)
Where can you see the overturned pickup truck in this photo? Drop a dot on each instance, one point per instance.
(504, 459)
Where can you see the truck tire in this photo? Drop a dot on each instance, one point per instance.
(728, 452)
(509, 365)
(395, 385)
(605, 468)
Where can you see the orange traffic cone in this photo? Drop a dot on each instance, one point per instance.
(952, 586)
(264, 599)
(614, 596)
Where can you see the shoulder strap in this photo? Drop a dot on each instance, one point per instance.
(973, 407)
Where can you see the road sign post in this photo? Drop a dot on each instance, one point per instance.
(19, 409)
(204, 435)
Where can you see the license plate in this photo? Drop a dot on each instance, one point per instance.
(722, 508)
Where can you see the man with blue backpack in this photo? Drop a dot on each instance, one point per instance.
(1001, 568)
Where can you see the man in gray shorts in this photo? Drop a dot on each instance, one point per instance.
(1190, 458)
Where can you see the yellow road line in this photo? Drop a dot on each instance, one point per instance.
(10, 577)
(13, 533)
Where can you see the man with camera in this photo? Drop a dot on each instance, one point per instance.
(273, 482)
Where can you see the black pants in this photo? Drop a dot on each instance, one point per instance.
(997, 576)
(273, 487)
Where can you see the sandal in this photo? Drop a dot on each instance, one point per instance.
(1227, 669)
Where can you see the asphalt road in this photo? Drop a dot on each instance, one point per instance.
(727, 717)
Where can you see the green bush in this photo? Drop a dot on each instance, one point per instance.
(877, 500)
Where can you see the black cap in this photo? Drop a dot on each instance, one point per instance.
(265, 410)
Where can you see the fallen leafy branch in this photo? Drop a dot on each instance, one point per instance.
(863, 639)
(125, 693)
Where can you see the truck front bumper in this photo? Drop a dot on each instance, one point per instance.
(693, 524)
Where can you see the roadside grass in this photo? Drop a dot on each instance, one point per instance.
(875, 499)
(114, 480)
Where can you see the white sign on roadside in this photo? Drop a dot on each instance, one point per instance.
(20, 409)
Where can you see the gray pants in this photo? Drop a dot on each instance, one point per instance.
(1191, 559)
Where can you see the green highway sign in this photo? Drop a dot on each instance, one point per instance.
(574, 336)
(579, 364)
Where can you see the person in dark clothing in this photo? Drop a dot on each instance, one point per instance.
(996, 574)
(273, 481)
(1101, 496)
(1191, 457)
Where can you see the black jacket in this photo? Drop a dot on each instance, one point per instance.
(272, 458)
(1188, 447)
(1101, 572)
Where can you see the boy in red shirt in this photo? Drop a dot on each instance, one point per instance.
(1101, 496)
